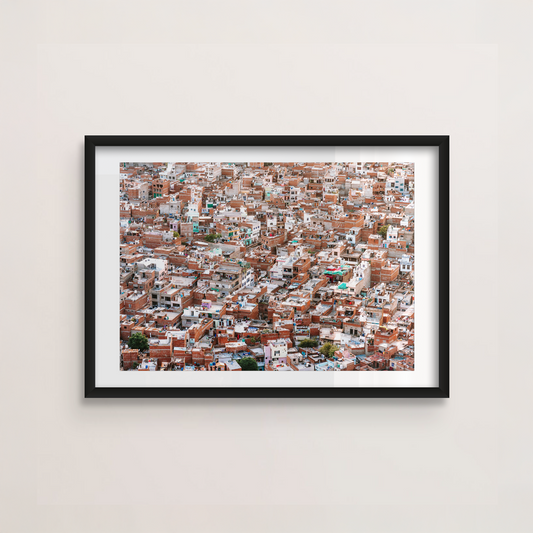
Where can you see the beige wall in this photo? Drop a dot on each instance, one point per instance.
(460, 67)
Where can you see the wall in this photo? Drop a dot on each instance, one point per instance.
(460, 67)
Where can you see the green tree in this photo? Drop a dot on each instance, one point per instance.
(328, 349)
(176, 234)
(138, 341)
(308, 343)
(212, 237)
(383, 231)
(248, 363)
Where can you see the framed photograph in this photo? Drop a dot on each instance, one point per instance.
(267, 266)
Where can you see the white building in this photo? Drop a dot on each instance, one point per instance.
(248, 278)
(159, 266)
(272, 221)
(392, 234)
(352, 235)
(406, 263)
(172, 207)
(360, 280)
(256, 227)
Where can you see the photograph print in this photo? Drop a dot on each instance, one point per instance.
(267, 266)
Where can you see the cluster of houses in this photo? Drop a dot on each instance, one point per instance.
(287, 266)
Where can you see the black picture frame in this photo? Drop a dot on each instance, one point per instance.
(442, 142)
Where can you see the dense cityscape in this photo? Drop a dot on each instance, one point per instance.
(267, 266)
